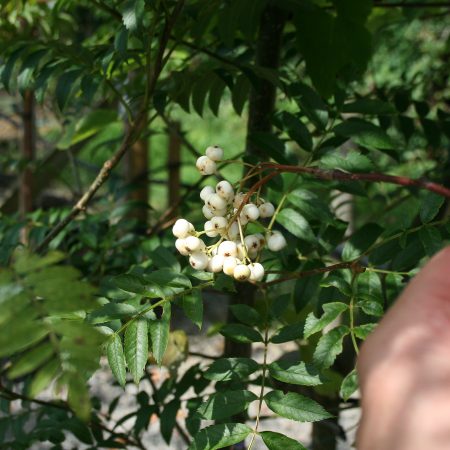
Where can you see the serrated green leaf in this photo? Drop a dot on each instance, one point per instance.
(270, 145)
(130, 283)
(297, 130)
(362, 331)
(132, 13)
(329, 346)
(331, 312)
(226, 369)
(92, 124)
(116, 358)
(371, 305)
(349, 385)
(239, 93)
(351, 162)
(296, 224)
(78, 397)
(295, 407)
(215, 94)
(65, 86)
(111, 311)
(430, 206)
(241, 333)
(44, 376)
(337, 282)
(218, 436)
(288, 333)
(18, 336)
(225, 404)
(278, 441)
(298, 373)
(369, 106)
(309, 204)
(365, 134)
(193, 308)
(431, 240)
(31, 360)
(163, 258)
(136, 347)
(246, 314)
(159, 332)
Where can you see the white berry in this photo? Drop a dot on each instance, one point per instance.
(206, 192)
(266, 210)
(229, 264)
(252, 242)
(251, 212)
(182, 228)
(180, 245)
(220, 212)
(276, 241)
(210, 229)
(216, 263)
(207, 212)
(215, 153)
(215, 202)
(240, 251)
(241, 272)
(238, 199)
(257, 272)
(198, 260)
(225, 190)
(205, 165)
(228, 248)
(193, 244)
(219, 223)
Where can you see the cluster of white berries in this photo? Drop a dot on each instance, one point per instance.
(234, 253)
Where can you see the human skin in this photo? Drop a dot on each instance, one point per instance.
(404, 368)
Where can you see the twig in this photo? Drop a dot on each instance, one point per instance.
(412, 5)
(130, 137)
(373, 177)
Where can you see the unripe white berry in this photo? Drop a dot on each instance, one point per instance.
(193, 244)
(206, 192)
(220, 212)
(242, 218)
(207, 212)
(229, 264)
(198, 260)
(251, 212)
(180, 245)
(225, 190)
(257, 271)
(262, 241)
(233, 231)
(266, 210)
(216, 202)
(238, 199)
(215, 153)
(182, 228)
(276, 241)
(205, 165)
(241, 272)
(210, 229)
(252, 242)
(228, 248)
(219, 223)
(216, 264)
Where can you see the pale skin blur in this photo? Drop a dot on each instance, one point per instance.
(404, 368)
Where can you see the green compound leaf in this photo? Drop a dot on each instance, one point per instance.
(193, 308)
(219, 436)
(288, 333)
(331, 312)
(136, 347)
(246, 314)
(329, 346)
(430, 206)
(349, 385)
(226, 369)
(299, 373)
(241, 333)
(159, 332)
(295, 407)
(278, 441)
(296, 224)
(225, 404)
(116, 358)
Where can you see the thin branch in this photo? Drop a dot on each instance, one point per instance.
(339, 175)
(130, 137)
(111, 11)
(308, 273)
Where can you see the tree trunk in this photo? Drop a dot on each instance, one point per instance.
(174, 165)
